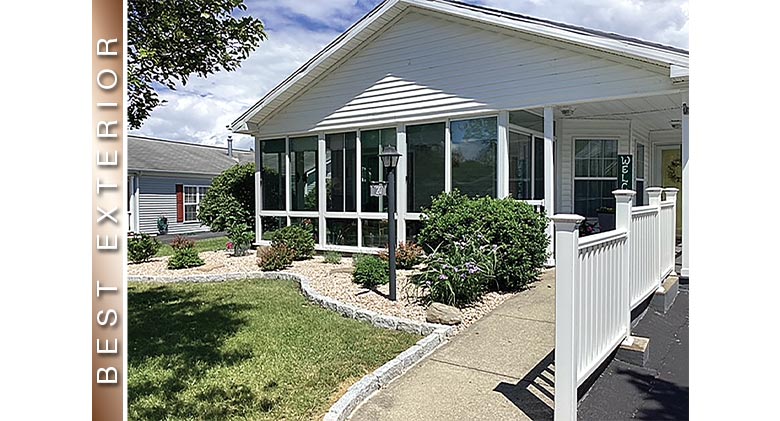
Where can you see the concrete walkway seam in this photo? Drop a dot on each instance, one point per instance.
(435, 335)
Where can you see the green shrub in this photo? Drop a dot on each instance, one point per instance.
(333, 257)
(185, 258)
(407, 255)
(276, 257)
(297, 238)
(511, 225)
(241, 236)
(181, 242)
(230, 199)
(371, 271)
(141, 248)
(459, 276)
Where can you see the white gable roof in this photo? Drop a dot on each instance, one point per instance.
(608, 43)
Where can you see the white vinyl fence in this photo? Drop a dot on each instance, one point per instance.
(600, 279)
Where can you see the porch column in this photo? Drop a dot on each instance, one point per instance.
(503, 155)
(549, 180)
(685, 190)
(258, 189)
(322, 194)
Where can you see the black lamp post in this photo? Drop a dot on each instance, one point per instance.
(390, 158)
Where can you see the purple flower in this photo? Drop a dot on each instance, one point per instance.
(443, 277)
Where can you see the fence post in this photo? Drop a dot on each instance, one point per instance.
(654, 197)
(671, 195)
(567, 239)
(623, 202)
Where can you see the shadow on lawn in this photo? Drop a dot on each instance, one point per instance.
(183, 334)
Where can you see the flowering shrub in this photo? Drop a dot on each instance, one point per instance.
(407, 255)
(512, 225)
(297, 238)
(275, 257)
(458, 275)
(184, 254)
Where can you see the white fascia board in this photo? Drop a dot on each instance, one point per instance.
(625, 48)
(313, 64)
(678, 72)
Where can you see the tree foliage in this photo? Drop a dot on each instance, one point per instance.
(170, 40)
(230, 200)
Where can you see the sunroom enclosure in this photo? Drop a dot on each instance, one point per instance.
(324, 179)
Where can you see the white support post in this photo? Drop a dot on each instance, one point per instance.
(623, 203)
(567, 239)
(654, 199)
(322, 194)
(671, 195)
(400, 181)
(503, 155)
(258, 190)
(685, 190)
(549, 179)
(447, 157)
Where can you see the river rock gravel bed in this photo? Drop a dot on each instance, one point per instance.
(331, 280)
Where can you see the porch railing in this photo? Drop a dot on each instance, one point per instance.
(600, 279)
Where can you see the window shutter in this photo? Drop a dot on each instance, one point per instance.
(180, 203)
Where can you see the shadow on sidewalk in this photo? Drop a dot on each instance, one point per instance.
(662, 400)
(534, 393)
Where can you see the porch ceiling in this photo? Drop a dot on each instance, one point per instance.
(649, 113)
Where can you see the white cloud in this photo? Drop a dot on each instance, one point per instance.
(298, 29)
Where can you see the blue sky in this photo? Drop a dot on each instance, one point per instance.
(298, 29)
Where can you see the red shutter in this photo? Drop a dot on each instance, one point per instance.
(180, 203)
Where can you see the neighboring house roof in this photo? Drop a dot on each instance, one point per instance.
(159, 155)
(676, 59)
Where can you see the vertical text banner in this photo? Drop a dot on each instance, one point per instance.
(625, 172)
(109, 217)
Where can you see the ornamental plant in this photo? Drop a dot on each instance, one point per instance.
(457, 275)
(241, 236)
(332, 257)
(297, 238)
(371, 271)
(141, 248)
(513, 226)
(273, 258)
(407, 255)
(184, 254)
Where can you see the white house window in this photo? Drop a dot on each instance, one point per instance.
(474, 156)
(192, 198)
(526, 166)
(640, 174)
(425, 164)
(595, 175)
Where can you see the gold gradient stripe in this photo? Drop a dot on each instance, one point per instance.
(109, 219)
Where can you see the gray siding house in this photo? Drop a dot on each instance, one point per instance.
(169, 179)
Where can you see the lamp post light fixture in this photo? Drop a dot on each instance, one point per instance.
(390, 157)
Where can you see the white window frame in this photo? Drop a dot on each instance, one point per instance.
(639, 198)
(534, 136)
(198, 198)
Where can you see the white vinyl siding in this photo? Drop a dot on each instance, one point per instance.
(425, 67)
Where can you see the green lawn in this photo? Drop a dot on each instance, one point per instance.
(209, 244)
(243, 350)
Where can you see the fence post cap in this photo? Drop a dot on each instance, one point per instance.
(567, 222)
(673, 190)
(624, 195)
(654, 190)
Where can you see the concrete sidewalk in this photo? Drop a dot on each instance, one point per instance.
(500, 368)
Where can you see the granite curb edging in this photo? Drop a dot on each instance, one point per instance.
(435, 335)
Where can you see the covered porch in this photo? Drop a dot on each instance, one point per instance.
(562, 158)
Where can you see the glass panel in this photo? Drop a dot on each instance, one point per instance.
(311, 224)
(640, 192)
(340, 182)
(303, 173)
(425, 164)
(271, 224)
(590, 195)
(412, 230)
(640, 161)
(190, 213)
(538, 168)
(519, 166)
(596, 169)
(190, 194)
(610, 148)
(581, 168)
(527, 119)
(371, 144)
(272, 161)
(474, 156)
(610, 167)
(342, 232)
(375, 233)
